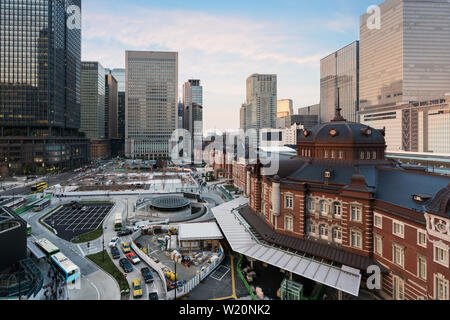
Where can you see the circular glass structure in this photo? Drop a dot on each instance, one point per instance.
(170, 203)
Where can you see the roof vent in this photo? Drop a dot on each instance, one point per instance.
(422, 197)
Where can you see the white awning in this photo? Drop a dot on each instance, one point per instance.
(199, 231)
(242, 241)
(35, 251)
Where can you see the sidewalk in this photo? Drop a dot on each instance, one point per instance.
(96, 286)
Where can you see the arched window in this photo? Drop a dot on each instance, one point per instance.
(323, 231)
(324, 207)
(337, 234)
(337, 209)
(311, 205)
(311, 228)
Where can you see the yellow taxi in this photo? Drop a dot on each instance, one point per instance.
(126, 247)
(137, 288)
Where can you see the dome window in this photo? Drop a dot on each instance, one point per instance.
(334, 133)
(367, 132)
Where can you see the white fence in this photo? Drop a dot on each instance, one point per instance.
(148, 260)
(190, 285)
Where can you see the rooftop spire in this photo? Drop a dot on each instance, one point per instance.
(338, 116)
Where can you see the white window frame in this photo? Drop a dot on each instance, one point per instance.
(379, 216)
(311, 204)
(440, 280)
(422, 266)
(398, 283)
(358, 210)
(338, 205)
(378, 245)
(338, 231)
(289, 223)
(437, 259)
(419, 233)
(398, 234)
(359, 238)
(326, 206)
(398, 255)
(312, 226)
(289, 201)
(325, 228)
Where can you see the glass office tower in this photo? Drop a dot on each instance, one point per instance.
(405, 74)
(40, 69)
(151, 103)
(340, 70)
(119, 75)
(408, 57)
(93, 100)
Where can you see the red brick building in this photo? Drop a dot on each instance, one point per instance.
(339, 200)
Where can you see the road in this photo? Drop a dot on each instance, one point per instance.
(51, 181)
(109, 233)
(96, 284)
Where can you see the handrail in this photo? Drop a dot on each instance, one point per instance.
(250, 291)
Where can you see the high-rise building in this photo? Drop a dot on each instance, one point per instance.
(193, 107)
(151, 111)
(40, 70)
(261, 103)
(406, 62)
(93, 100)
(340, 71)
(408, 57)
(242, 117)
(119, 75)
(313, 110)
(284, 108)
(111, 107)
(180, 115)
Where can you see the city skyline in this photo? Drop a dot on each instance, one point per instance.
(275, 44)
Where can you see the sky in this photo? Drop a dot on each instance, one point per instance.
(223, 42)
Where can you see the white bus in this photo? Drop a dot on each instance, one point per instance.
(67, 268)
(118, 222)
(47, 247)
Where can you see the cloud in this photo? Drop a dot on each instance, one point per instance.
(220, 50)
(342, 24)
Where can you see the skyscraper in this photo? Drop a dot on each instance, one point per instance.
(93, 100)
(340, 70)
(151, 111)
(119, 75)
(193, 107)
(408, 57)
(285, 108)
(111, 106)
(242, 117)
(261, 103)
(405, 74)
(40, 70)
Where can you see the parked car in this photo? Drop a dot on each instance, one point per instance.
(114, 241)
(132, 257)
(115, 253)
(126, 247)
(83, 209)
(137, 288)
(124, 233)
(147, 274)
(126, 265)
(153, 296)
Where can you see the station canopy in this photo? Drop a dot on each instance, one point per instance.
(199, 231)
(242, 241)
(35, 251)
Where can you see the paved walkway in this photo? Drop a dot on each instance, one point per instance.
(96, 286)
